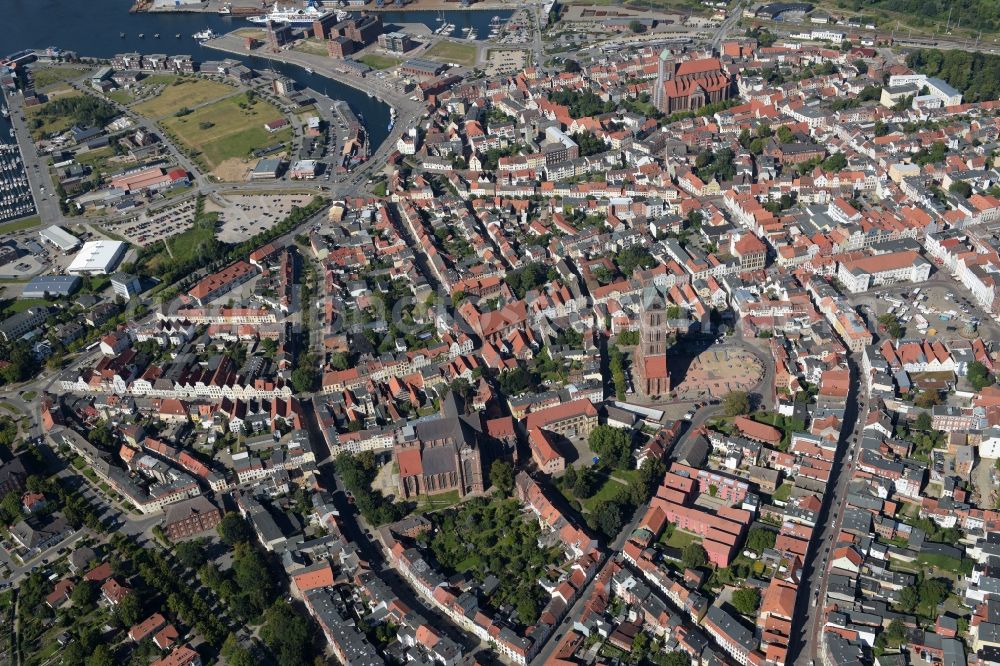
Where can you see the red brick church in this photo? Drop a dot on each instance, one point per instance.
(689, 85)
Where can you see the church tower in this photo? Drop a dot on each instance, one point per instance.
(664, 72)
(651, 366)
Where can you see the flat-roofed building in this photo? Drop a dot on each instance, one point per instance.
(59, 237)
(304, 169)
(395, 42)
(125, 285)
(267, 168)
(97, 258)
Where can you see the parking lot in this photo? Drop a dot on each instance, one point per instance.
(932, 310)
(505, 61)
(152, 227)
(245, 215)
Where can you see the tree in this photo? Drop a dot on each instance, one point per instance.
(636, 26)
(10, 508)
(979, 376)
(191, 553)
(676, 658)
(286, 634)
(233, 529)
(608, 519)
(502, 477)
(760, 538)
(908, 599)
(891, 325)
(84, 594)
(746, 600)
(922, 422)
(694, 556)
(101, 656)
(305, 378)
(571, 66)
(613, 445)
(932, 592)
(640, 646)
(961, 188)
(735, 403)
(569, 478)
(129, 610)
(585, 484)
(896, 632)
(835, 163)
(252, 577)
(927, 399)
(785, 134)
(527, 608)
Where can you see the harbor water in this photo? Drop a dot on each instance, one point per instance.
(95, 28)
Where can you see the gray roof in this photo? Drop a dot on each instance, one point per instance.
(732, 628)
(57, 285)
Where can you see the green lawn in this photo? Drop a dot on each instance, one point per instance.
(679, 539)
(20, 225)
(97, 160)
(223, 130)
(29, 395)
(22, 304)
(783, 492)
(185, 246)
(463, 54)
(182, 93)
(376, 61)
(121, 96)
(10, 408)
(945, 563)
(434, 502)
(607, 492)
(627, 475)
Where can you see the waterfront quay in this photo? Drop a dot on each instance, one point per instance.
(408, 109)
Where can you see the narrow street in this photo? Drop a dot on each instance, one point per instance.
(806, 643)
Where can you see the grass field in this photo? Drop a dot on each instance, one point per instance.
(312, 45)
(47, 76)
(20, 225)
(182, 93)
(184, 246)
(223, 130)
(607, 492)
(22, 304)
(256, 33)
(463, 54)
(49, 125)
(96, 159)
(679, 539)
(435, 502)
(376, 61)
(121, 96)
